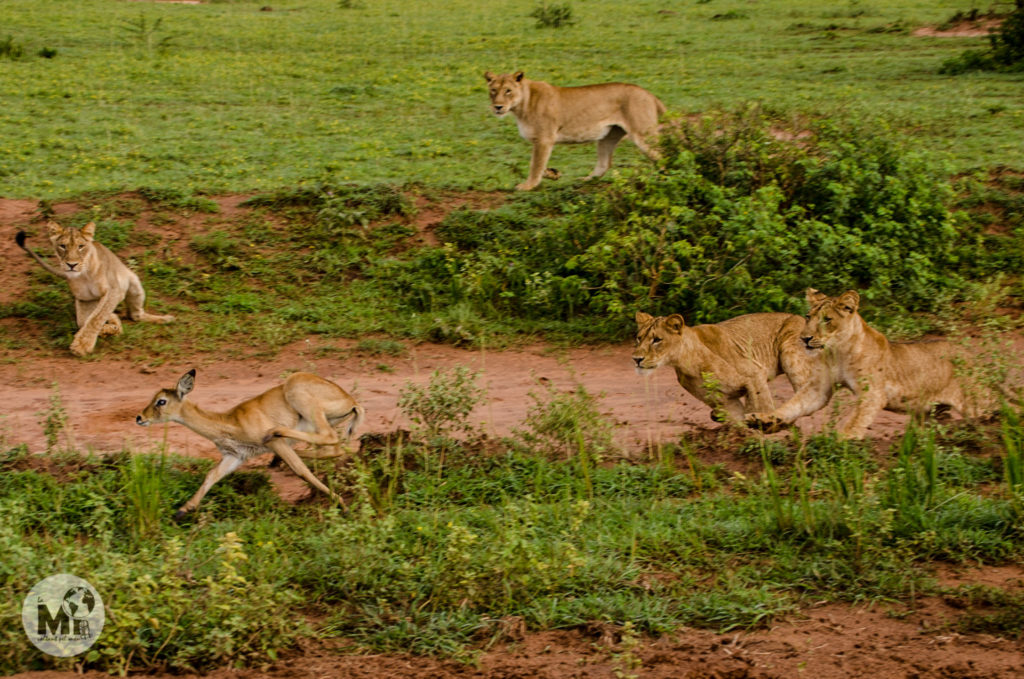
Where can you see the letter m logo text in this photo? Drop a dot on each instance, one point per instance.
(58, 625)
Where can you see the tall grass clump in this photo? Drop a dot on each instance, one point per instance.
(1013, 460)
(560, 424)
(742, 214)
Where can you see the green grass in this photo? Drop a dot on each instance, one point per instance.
(241, 99)
(429, 558)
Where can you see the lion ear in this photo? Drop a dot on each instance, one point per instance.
(813, 296)
(642, 318)
(675, 323)
(489, 77)
(848, 301)
(89, 230)
(518, 76)
(54, 229)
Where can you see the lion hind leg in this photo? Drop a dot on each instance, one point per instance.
(605, 149)
(135, 300)
(112, 326)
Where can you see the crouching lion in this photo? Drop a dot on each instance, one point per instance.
(99, 281)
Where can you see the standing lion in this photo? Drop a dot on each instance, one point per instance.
(547, 115)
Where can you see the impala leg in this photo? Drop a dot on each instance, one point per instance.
(292, 459)
(228, 464)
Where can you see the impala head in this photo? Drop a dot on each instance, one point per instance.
(72, 246)
(829, 317)
(506, 91)
(166, 404)
(656, 340)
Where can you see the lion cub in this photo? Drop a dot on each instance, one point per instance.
(99, 281)
(547, 115)
(723, 362)
(902, 377)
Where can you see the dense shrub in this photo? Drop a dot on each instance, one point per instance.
(742, 215)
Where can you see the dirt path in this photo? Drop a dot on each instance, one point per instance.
(102, 399)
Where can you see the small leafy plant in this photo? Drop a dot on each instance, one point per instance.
(146, 35)
(553, 15)
(441, 409)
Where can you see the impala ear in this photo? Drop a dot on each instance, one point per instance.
(488, 76)
(518, 75)
(185, 384)
(643, 319)
(849, 301)
(89, 231)
(814, 297)
(675, 323)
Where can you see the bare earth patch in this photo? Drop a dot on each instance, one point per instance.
(964, 29)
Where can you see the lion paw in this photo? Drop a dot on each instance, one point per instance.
(80, 348)
(766, 422)
(110, 329)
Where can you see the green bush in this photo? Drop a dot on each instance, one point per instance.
(742, 215)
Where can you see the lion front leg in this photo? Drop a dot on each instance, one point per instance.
(93, 318)
(538, 163)
(855, 425)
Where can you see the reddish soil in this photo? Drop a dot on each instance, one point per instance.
(964, 29)
(102, 399)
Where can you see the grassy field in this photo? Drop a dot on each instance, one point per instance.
(242, 99)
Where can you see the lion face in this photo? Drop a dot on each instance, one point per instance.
(830, 320)
(656, 339)
(506, 91)
(72, 246)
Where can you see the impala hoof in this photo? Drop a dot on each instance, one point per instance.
(180, 514)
